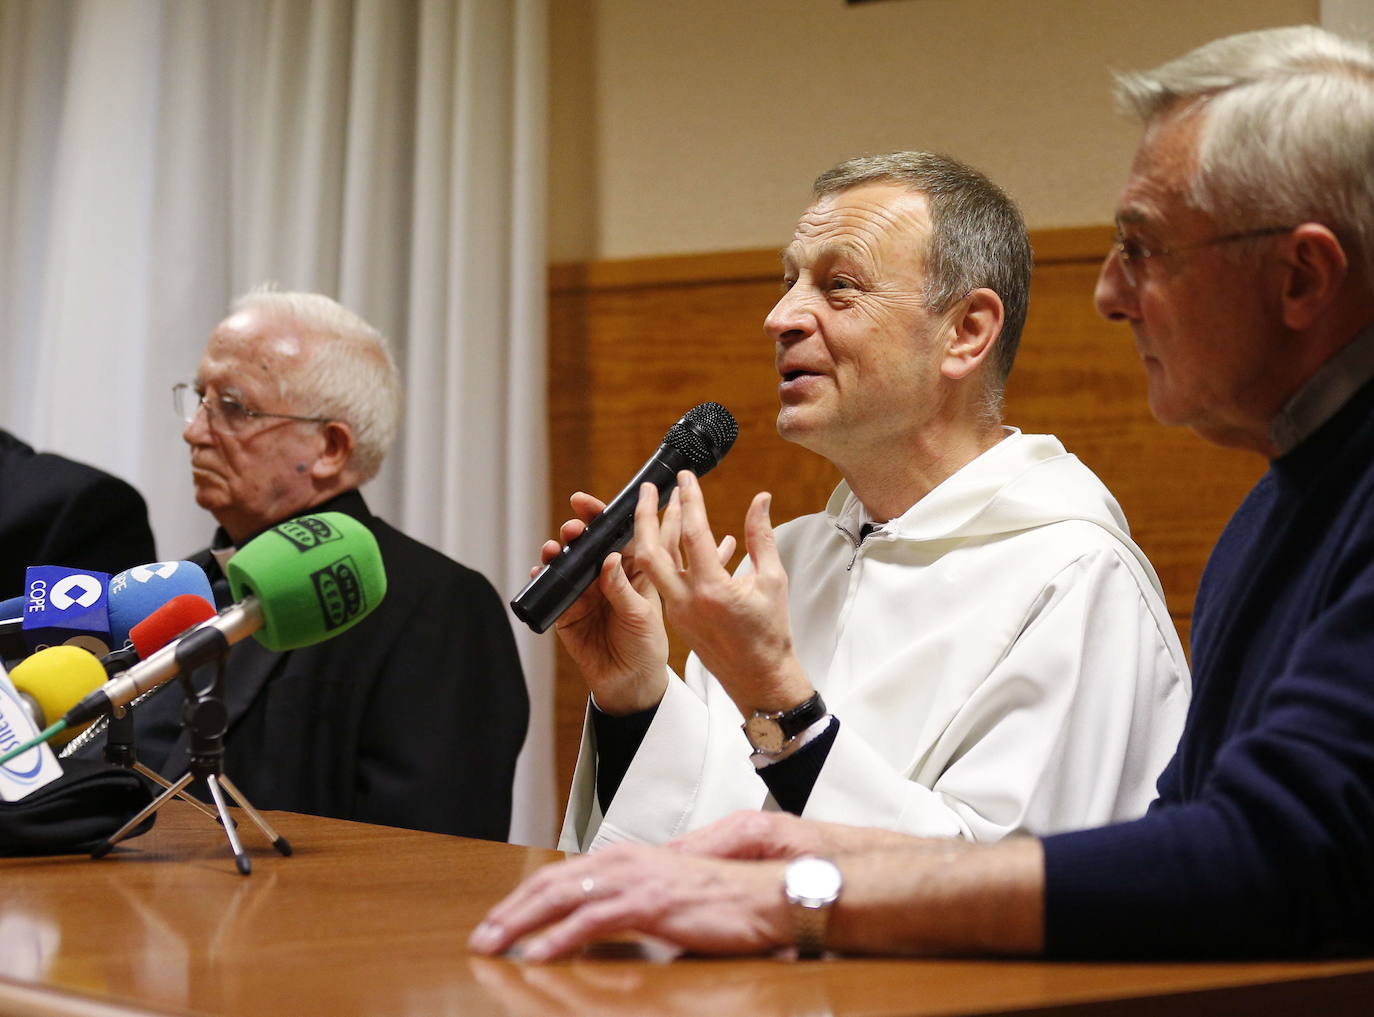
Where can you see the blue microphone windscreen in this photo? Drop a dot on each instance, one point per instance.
(137, 592)
(66, 606)
(12, 608)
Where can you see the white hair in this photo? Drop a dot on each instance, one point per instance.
(350, 374)
(1286, 130)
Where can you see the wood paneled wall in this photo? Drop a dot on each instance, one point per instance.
(634, 344)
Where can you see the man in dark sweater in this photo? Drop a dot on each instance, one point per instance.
(1244, 264)
(414, 717)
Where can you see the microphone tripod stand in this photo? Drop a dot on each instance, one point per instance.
(206, 719)
(120, 751)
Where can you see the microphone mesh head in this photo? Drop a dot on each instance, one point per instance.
(704, 434)
(136, 593)
(314, 577)
(56, 678)
(169, 621)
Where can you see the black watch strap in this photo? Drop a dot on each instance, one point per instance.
(770, 733)
(796, 720)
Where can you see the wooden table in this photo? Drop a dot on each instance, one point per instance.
(372, 920)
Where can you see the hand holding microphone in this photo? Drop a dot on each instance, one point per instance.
(697, 442)
(613, 628)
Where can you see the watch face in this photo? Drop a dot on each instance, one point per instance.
(812, 881)
(764, 733)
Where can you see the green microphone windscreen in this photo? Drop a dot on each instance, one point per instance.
(313, 577)
(56, 678)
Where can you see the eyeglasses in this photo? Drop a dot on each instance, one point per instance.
(225, 411)
(1132, 252)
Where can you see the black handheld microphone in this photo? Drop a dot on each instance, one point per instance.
(697, 442)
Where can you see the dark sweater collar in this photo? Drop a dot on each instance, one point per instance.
(1322, 395)
(1304, 465)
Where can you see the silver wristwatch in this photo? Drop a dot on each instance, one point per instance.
(769, 733)
(811, 885)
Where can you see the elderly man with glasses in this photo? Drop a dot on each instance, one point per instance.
(414, 717)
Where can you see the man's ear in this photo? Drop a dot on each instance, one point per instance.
(973, 333)
(1315, 268)
(338, 450)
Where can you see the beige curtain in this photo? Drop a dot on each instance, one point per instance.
(158, 158)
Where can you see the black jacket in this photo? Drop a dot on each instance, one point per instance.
(413, 718)
(57, 512)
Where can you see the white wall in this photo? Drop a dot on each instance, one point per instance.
(679, 127)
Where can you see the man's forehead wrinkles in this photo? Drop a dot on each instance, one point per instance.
(829, 250)
(841, 232)
(869, 216)
(1146, 204)
(836, 230)
(1156, 191)
(251, 365)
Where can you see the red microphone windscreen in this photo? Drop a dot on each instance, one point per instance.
(169, 621)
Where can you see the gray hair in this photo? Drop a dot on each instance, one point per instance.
(350, 374)
(1286, 133)
(978, 238)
